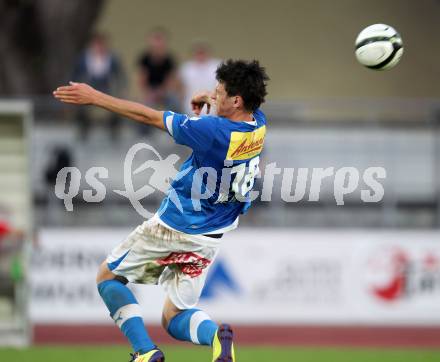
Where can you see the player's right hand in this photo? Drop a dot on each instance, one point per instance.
(76, 93)
(199, 100)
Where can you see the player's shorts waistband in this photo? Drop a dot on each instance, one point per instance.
(211, 240)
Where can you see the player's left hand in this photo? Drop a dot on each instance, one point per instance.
(76, 93)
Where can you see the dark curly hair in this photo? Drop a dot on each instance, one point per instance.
(246, 79)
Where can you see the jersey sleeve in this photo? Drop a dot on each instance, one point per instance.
(194, 132)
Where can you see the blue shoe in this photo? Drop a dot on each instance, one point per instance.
(223, 347)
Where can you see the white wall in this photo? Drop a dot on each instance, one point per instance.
(261, 276)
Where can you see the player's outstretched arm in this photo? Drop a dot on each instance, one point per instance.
(81, 93)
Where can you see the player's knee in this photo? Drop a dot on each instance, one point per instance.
(168, 313)
(164, 322)
(104, 273)
(167, 317)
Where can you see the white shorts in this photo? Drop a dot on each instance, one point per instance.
(155, 254)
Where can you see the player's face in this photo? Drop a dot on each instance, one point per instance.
(224, 103)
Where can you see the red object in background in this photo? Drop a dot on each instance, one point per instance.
(4, 228)
(396, 287)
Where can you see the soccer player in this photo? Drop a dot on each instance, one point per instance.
(176, 246)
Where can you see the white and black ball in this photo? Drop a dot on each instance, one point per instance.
(379, 47)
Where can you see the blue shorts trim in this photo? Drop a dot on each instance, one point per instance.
(114, 264)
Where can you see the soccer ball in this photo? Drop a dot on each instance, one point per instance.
(379, 47)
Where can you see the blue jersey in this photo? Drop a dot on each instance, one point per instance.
(213, 186)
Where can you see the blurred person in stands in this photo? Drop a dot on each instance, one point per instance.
(99, 66)
(11, 241)
(198, 74)
(6, 230)
(157, 68)
(6, 284)
(60, 157)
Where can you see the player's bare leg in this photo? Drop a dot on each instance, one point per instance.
(194, 325)
(126, 313)
(104, 273)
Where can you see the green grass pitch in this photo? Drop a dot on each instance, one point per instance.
(203, 354)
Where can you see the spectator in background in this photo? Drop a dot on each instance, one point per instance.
(5, 229)
(157, 68)
(100, 67)
(11, 242)
(6, 284)
(198, 74)
(60, 157)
